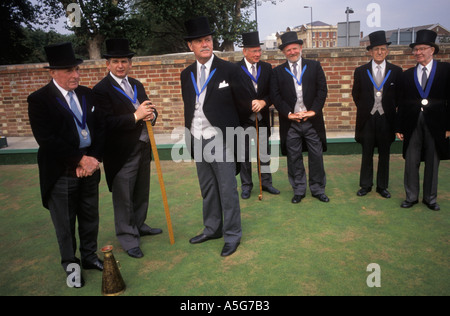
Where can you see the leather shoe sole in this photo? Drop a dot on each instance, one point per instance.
(246, 194)
(297, 198)
(151, 232)
(135, 253)
(384, 193)
(407, 204)
(433, 207)
(322, 198)
(229, 249)
(271, 190)
(363, 192)
(202, 238)
(97, 265)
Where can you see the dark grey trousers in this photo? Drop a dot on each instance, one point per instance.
(130, 193)
(71, 200)
(218, 185)
(298, 133)
(421, 141)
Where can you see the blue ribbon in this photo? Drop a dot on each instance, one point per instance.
(134, 100)
(301, 76)
(198, 93)
(251, 76)
(82, 124)
(426, 93)
(373, 80)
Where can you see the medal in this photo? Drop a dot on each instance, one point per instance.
(84, 133)
(379, 88)
(424, 94)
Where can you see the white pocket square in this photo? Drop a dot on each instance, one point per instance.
(223, 84)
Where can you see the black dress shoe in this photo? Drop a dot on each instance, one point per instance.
(433, 207)
(297, 198)
(384, 193)
(91, 265)
(229, 249)
(407, 204)
(322, 197)
(202, 238)
(135, 253)
(151, 232)
(246, 194)
(363, 191)
(271, 190)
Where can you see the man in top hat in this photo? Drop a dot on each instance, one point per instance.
(70, 134)
(375, 92)
(298, 91)
(253, 97)
(128, 150)
(423, 120)
(209, 110)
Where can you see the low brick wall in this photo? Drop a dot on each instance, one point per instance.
(161, 78)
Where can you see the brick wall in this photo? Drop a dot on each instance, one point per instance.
(160, 76)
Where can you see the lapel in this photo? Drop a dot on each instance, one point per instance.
(288, 78)
(124, 99)
(212, 83)
(56, 94)
(367, 80)
(248, 81)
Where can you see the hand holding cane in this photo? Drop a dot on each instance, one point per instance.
(161, 180)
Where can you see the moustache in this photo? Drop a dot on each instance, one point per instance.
(205, 50)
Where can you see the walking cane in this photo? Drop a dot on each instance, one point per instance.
(161, 180)
(259, 160)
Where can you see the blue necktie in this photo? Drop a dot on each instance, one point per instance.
(74, 107)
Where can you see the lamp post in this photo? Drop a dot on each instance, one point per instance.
(312, 33)
(348, 12)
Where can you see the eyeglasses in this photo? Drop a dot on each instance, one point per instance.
(420, 49)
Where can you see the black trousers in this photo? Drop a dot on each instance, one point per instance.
(421, 142)
(376, 133)
(297, 135)
(73, 199)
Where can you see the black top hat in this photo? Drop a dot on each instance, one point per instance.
(426, 37)
(61, 56)
(118, 48)
(251, 40)
(289, 38)
(198, 28)
(377, 39)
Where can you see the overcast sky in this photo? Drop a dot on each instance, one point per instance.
(393, 14)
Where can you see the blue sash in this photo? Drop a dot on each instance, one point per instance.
(134, 100)
(251, 76)
(199, 93)
(373, 80)
(301, 76)
(426, 93)
(81, 124)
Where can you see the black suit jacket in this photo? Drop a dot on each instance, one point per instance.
(122, 132)
(364, 97)
(219, 106)
(56, 133)
(284, 97)
(246, 93)
(437, 113)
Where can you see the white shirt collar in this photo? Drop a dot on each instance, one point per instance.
(117, 79)
(63, 91)
(374, 65)
(299, 63)
(429, 66)
(249, 65)
(208, 64)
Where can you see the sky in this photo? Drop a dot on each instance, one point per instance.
(394, 14)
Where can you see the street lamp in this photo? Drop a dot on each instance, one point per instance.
(348, 12)
(306, 7)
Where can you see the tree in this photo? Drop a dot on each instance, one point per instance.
(14, 14)
(99, 20)
(166, 20)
